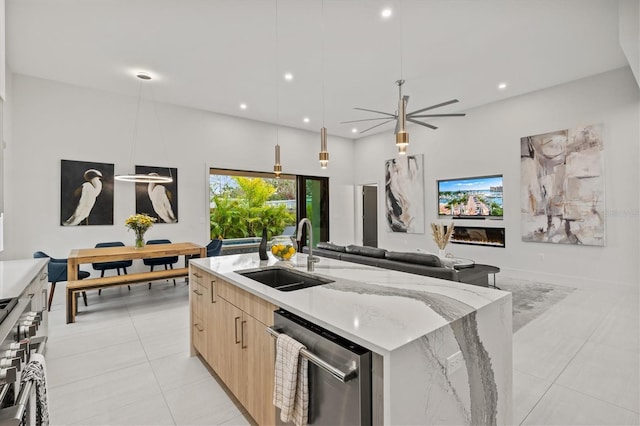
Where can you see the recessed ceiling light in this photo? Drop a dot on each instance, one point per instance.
(386, 13)
(243, 106)
(288, 76)
(502, 86)
(354, 130)
(306, 119)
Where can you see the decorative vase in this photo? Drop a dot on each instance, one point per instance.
(262, 249)
(283, 247)
(442, 253)
(139, 241)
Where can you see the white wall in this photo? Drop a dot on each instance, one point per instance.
(629, 33)
(487, 141)
(54, 121)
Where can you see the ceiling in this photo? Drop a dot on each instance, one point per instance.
(215, 54)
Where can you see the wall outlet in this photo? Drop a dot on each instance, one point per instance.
(454, 362)
(541, 257)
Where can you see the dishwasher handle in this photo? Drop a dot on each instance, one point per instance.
(314, 359)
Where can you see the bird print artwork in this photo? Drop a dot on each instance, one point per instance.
(161, 199)
(86, 194)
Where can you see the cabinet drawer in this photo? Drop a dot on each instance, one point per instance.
(253, 305)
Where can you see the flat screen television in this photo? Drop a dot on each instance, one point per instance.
(471, 198)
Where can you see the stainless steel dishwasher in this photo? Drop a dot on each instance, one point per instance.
(339, 373)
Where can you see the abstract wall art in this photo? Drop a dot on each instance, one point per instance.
(404, 194)
(86, 193)
(562, 187)
(159, 200)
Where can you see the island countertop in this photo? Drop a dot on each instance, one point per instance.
(380, 309)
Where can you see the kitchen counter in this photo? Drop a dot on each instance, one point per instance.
(446, 346)
(15, 275)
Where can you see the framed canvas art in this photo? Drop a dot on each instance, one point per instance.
(159, 200)
(86, 193)
(404, 194)
(562, 187)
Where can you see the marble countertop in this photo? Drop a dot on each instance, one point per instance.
(15, 275)
(376, 308)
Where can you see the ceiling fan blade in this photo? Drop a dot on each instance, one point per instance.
(364, 119)
(438, 115)
(366, 130)
(377, 112)
(421, 123)
(453, 101)
(395, 132)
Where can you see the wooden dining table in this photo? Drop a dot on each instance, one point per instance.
(78, 257)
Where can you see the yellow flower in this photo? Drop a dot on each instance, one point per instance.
(139, 223)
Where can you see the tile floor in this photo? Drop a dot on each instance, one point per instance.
(126, 362)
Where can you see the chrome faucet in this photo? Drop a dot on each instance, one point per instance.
(310, 258)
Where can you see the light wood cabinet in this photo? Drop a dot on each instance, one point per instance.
(239, 349)
(198, 296)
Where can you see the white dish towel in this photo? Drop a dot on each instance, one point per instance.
(36, 372)
(291, 390)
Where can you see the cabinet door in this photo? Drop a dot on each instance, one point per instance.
(259, 359)
(215, 319)
(199, 295)
(231, 369)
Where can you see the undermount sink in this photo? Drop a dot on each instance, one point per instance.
(284, 279)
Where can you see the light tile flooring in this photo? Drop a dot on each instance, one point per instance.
(126, 362)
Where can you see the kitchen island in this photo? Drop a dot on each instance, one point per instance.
(442, 349)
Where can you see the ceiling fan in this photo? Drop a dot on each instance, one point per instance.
(401, 116)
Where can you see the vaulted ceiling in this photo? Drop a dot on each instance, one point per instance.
(215, 55)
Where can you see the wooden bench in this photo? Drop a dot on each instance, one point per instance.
(77, 286)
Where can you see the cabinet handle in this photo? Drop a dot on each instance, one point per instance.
(235, 320)
(197, 292)
(197, 326)
(213, 292)
(197, 275)
(243, 346)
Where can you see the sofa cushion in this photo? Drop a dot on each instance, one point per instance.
(367, 251)
(332, 247)
(417, 258)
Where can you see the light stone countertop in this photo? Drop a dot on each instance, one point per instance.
(15, 275)
(377, 308)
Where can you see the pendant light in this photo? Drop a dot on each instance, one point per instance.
(140, 178)
(324, 154)
(277, 167)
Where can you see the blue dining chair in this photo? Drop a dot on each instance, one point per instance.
(117, 265)
(167, 261)
(57, 272)
(214, 248)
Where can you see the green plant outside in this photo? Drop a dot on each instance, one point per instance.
(246, 215)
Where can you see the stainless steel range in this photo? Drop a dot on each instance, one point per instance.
(23, 332)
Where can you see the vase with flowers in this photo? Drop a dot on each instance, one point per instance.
(139, 223)
(441, 235)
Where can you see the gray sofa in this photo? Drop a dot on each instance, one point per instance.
(414, 263)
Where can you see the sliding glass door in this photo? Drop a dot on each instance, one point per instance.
(315, 193)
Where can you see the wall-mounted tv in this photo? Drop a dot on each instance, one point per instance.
(471, 198)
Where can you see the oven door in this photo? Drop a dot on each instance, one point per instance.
(22, 412)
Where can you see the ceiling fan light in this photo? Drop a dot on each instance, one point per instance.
(402, 138)
(402, 149)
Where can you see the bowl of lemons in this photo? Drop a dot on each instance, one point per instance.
(283, 247)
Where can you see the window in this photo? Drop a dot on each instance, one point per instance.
(242, 203)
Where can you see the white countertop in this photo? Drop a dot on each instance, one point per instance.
(376, 308)
(15, 275)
